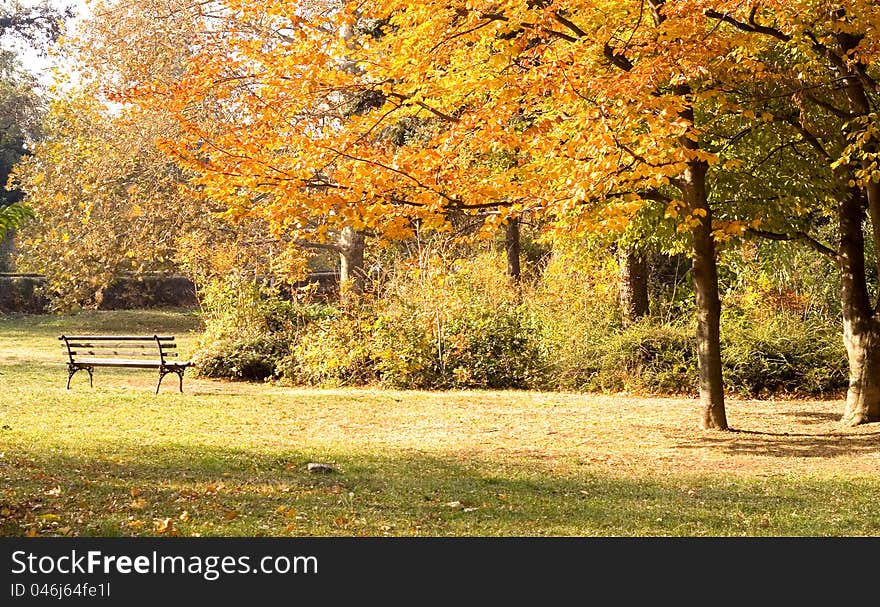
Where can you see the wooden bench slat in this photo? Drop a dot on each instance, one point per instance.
(123, 362)
(118, 362)
(118, 337)
(134, 354)
(142, 346)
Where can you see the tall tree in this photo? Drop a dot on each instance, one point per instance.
(819, 96)
(107, 201)
(633, 293)
(578, 112)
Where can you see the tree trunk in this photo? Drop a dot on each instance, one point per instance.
(704, 272)
(633, 285)
(863, 352)
(861, 324)
(352, 277)
(861, 327)
(512, 247)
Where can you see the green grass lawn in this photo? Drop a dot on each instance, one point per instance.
(230, 459)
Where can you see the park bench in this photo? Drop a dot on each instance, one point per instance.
(86, 352)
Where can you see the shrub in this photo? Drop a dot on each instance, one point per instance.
(453, 324)
(646, 357)
(249, 330)
(408, 350)
(236, 308)
(649, 357)
(245, 359)
(490, 348)
(475, 347)
(783, 355)
(336, 350)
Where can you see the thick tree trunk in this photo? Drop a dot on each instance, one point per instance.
(512, 248)
(352, 277)
(863, 351)
(861, 327)
(704, 272)
(861, 322)
(633, 285)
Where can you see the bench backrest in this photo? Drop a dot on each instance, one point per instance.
(119, 346)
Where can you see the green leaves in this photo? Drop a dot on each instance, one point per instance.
(12, 217)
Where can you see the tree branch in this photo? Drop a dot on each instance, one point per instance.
(569, 24)
(831, 108)
(809, 137)
(752, 26)
(617, 59)
(797, 236)
(425, 106)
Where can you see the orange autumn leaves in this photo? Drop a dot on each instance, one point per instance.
(321, 114)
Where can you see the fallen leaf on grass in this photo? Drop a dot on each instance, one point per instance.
(165, 526)
(32, 532)
(138, 504)
(230, 515)
(49, 517)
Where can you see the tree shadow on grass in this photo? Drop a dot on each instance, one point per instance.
(202, 490)
(789, 444)
(813, 417)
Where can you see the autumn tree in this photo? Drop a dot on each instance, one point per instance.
(96, 189)
(816, 102)
(592, 112)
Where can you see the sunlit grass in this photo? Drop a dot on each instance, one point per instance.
(230, 458)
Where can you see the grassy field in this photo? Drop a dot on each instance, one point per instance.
(231, 458)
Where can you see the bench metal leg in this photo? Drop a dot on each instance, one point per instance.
(162, 374)
(71, 371)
